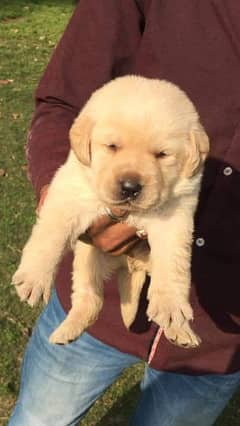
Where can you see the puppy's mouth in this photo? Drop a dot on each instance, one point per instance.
(130, 204)
(126, 204)
(131, 194)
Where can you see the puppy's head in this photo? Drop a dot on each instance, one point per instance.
(141, 138)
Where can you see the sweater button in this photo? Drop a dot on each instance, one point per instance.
(200, 242)
(227, 171)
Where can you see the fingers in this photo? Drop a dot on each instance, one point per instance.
(113, 237)
(100, 226)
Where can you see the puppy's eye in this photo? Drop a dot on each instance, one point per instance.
(112, 147)
(161, 154)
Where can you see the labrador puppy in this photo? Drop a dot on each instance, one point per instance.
(138, 145)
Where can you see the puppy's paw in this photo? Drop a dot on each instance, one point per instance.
(77, 321)
(165, 310)
(67, 332)
(182, 336)
(32, 286)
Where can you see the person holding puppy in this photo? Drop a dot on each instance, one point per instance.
(171, 41)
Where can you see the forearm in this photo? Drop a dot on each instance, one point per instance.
(48, 144)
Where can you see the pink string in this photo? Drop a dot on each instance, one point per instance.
(155, 344)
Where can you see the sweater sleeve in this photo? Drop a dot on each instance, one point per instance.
(99, 43)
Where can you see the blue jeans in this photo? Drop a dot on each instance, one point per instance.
(60, 383)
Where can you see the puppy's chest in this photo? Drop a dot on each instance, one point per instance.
(143, 221)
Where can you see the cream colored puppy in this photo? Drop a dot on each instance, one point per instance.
(137, 144)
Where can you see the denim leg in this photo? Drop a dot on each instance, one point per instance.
(170, 399)
(60, 383)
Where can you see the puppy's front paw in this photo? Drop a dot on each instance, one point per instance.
(182, 336)
(165, 309)
(32, 286)
(173, 316)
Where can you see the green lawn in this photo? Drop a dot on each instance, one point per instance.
(29, 31)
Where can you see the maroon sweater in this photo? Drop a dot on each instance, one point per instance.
(195, 44)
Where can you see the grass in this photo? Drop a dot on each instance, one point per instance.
(29, 31)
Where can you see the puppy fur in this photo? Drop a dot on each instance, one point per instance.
(137, 132)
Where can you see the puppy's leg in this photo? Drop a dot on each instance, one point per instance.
(50, 237)
(170, 240)
(90, 269)
(130, 284)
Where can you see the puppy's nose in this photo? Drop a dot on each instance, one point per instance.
(130, 188)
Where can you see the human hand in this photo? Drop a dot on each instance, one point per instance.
(115, 237)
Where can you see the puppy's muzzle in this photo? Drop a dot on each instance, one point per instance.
(130, 188)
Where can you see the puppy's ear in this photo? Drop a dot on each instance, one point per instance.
(80, 138)
(197, 151)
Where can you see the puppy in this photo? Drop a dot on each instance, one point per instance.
(137, 144)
